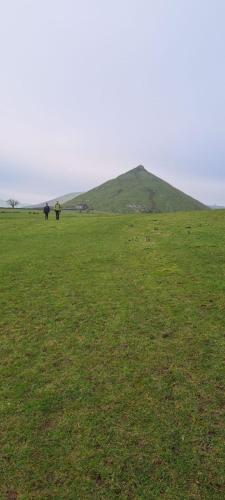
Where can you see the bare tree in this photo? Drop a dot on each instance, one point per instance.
(13, 203)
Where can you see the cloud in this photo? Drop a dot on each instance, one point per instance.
(91, 89)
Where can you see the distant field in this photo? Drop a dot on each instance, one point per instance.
(112, 356)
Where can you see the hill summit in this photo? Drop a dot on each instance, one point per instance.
(136, 191)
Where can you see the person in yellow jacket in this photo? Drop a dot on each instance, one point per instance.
(57, 210)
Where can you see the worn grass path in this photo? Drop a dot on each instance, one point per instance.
(112, 335)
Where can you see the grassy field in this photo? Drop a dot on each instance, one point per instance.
(112, 348)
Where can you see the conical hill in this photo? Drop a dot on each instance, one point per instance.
(136, 191)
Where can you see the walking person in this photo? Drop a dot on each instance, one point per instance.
(57, 210)
(46, 210)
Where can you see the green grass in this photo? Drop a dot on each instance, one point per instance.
(112, 349)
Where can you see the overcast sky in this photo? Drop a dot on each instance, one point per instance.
(90, 89)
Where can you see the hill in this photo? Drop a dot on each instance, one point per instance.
(62, 199)
(137, 191)
(217, 207)
(3, 204)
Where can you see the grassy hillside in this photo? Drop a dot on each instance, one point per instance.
(112, 356)
(137, 191)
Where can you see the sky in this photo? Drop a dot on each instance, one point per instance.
(90, 89)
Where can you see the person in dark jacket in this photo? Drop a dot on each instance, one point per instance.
(46, 210)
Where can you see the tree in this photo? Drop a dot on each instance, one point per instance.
(12, 202)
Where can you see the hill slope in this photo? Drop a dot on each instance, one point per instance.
(62, 199)
(137, 191)
(3, 204)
